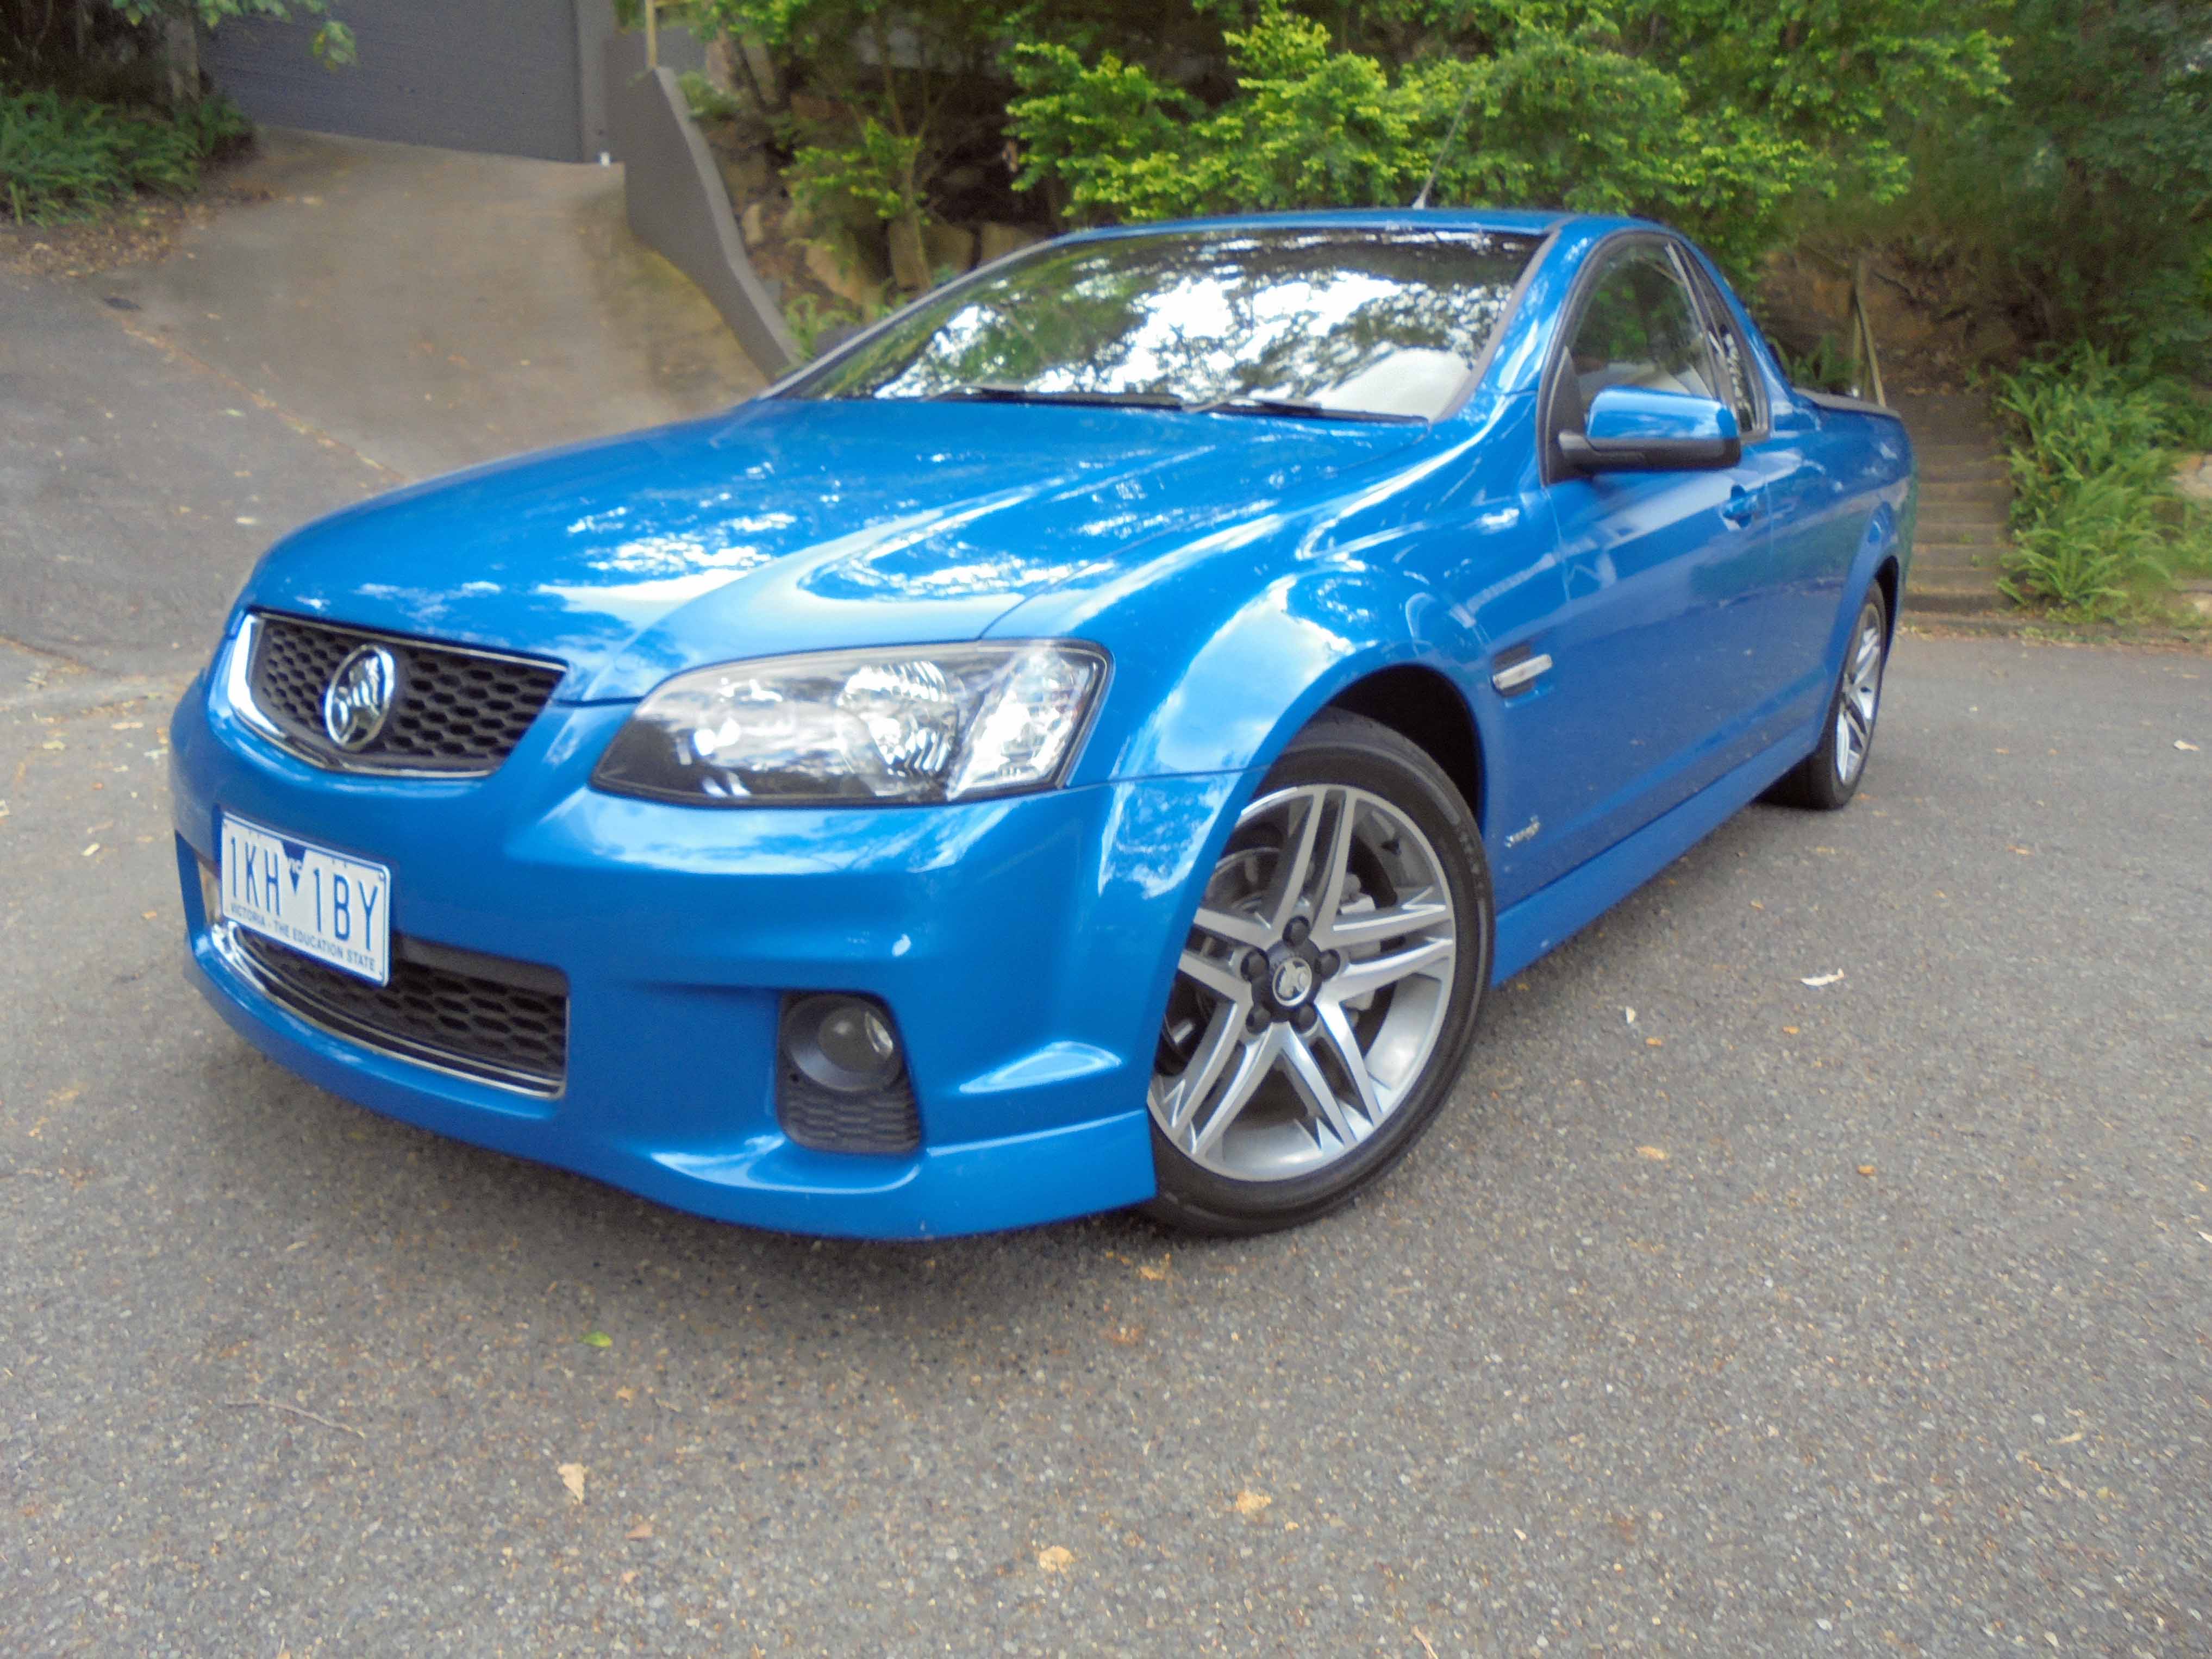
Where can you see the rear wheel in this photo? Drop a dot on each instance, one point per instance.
(1326, 994)
(1826, 779)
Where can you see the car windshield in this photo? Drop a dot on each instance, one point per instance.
(1372, 323)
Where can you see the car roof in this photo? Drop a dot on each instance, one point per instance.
(1523, 221)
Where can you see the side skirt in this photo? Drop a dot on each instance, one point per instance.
(1548, 917)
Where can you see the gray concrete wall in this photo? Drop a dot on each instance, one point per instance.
(502, 76)
(678, 207)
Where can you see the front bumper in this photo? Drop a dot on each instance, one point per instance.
(1024, 947)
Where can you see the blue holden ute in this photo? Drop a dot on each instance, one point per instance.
(1091, 741)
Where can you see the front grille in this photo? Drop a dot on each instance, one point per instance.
(885, 1122)
(456, 709)
(486, 1017)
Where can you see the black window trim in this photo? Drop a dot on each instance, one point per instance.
(1721, 320)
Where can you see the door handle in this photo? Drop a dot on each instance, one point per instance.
(1743, 505)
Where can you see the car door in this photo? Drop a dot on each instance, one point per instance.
(1782, 618)
(1645, 693)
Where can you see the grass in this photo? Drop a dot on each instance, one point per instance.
(2099, 531)
(64, 157)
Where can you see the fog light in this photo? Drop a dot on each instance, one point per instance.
(210, 895)
(843, 1043)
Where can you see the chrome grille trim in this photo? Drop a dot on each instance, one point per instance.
(306, 742)
(224, 935)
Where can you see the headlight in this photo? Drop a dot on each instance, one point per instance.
(921, 723)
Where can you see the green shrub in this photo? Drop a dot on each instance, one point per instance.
(2095, 513)
(63, 157)
(1827, 367)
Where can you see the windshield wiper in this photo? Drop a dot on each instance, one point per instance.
(1300, 408)
(999, 391)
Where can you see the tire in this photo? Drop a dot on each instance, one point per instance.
(1392, 921)
(1825, 779)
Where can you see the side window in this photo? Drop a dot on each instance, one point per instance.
(1739, 387)
(1642, 328)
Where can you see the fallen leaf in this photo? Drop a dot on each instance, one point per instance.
(572, 1477)
(2067, 1440)
(1657, 1155)
(1789, 1030)
(1819, 980)
(1631, 1012)
(2184, 742)
(1053, 1558)
(90, 850)
(1251, 1502)
(1866, 1169)
(625, 1395)
(596, 1339)
(640, 1533)
(1156, 1272)
(53, 742)
(1654, 1042)
(2206, 1236)
(2023, 852)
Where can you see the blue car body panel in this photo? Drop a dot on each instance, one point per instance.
(1242, 573)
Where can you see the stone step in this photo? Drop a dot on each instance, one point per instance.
(1964, 472)
(1947, 493)
(1958, 454)
(1939, 529)
(1958, 555)
(1934, 409)
(1952, 592)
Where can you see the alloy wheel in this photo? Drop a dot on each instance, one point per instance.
(1314, 987)
(1861, 695)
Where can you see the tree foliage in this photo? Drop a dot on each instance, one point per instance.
(332, 42)
(2082, 205)
(1713, 114)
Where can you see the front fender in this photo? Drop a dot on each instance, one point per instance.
(1263, 675)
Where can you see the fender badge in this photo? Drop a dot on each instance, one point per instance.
(1526, 832)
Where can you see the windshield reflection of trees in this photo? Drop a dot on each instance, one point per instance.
(1200, 317)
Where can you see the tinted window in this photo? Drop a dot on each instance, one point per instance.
(1641, 328)
(1372, 321)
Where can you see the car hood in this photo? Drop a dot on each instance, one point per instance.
(792, 525)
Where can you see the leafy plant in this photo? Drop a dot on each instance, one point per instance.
(63, 157)
(809, 320)
(2095, 513)
(705, 100)
(1827, 367)
(875, 178)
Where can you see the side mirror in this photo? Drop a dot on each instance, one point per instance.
(1634, 430)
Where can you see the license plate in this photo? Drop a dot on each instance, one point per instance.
(323, 904)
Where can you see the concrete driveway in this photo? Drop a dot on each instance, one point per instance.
(432, 308)
(385, 313)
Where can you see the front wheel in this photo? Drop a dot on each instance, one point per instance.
(1826, 779)
(1326, 994)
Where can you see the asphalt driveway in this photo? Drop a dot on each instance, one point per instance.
(1864, 1317)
